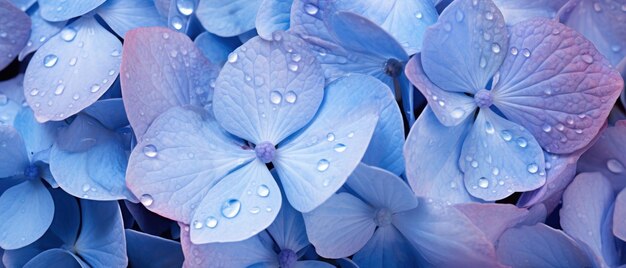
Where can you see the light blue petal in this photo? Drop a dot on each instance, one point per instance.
(619, 214)
(555, 84)
(41, 31)
(182, 156)
(500, 157)
(54, 10)
(14, 31)
(540, 246)
(268, 89)
(64, 77)
(240, 205)
(445, 237)
(236, 254)
(13, 157)
(315, 162)
(451, 108)
(341, 226)
(515, 11)
(125, 15)
(37, 137)
(162, 69)
(228, 17)
(245, 37)
(98, 172)
(273, 15)
(145, 250)
(586, 216)
(313, 264)
(23, 4)
(432, 152)
(493, 219)
(381, 189)
(479, 26)
(101, 242)
(58, 257)
(216, 48)
(109, 112)
(11, 99)
(26, 211)
(387, 248)
(288, 229)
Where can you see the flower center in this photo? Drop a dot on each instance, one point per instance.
(31, 172)
(287, 258)
(483, 98)
(265, 151)
(393, 67)
(383, 217)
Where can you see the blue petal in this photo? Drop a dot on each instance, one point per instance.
(515, 11)
(37, 137)
(268, 89)
(11, 99)
(341, 226)
(436, 175)
(13, 159)
(387, 248)
(147, 221)
(125, 15)
(64, 77)
(619, 225)
(555, 84)
(41, 31)
(23, 4)
(228, 17)
(313, 264)
(14, 29)
(226, 254)
(26, 211)
(66, 222)
(181, 157)
(58, 257)
(607, 156)
(586, 216)
(101, 242)
(273, 15)
(381, 189)
(109, 112)
(216, 48)
(540, 246)
(600, 22)
(98, 172)
(54, 10)
(493, 219)
(145, 250)
(479, 26)
(500, 157)
(162, 69)
(240, 205)
(288, 229)
(445, 237)
(315, 162)
(451, 108)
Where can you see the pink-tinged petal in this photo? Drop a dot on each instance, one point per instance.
(162, 69)
(554, 83)
(493, 219)
(14, 32)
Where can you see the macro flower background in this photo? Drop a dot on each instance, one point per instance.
(312, 133)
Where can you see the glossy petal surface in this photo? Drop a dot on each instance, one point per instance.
(387, 248)
(101, 241)
(381, 189)
(13, 159)
(125, 15)
(228, 17)
(53, 10)
(273, 15)
(143, 248)
(41, 31)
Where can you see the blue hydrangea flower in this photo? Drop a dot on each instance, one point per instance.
(544, 87)
(89, 235)
(264, 109)
(14, 31)
(76, 64)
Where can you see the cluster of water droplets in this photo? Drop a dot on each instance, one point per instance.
(180, 15)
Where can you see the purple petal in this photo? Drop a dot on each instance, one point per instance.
(54, 10)
(619, 216)
(14, 32)
(607, 156)
(493, 219)
(381, 189)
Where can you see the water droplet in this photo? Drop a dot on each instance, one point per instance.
(340, 147)
(185, 7)
(211, 222)
(514, 51)
(419, 15)
(532, 168)
(474, 164)
(255, 210)
(489, 128)
(546, 128)
(86, 187)
(452, 185)
(330, 137)
(459, 15)
(506, 135)
(326, 182)
(483, 62)
(34, 92)
(447, 27)
(624, 7)
(614, 166)
(457, 113)
(50, 60)
(263, 190)
(94, 88)
(197, 225)
(597, 7)
(489, 15)
(495, 171)
(68, 34)
(76, 97)
(146, 200)
(231, 208)
(276, 97)
(351, 134)
(587, 58)
(526, 53)
(483, 182)
(293, 67)
(560, 127)
(323, 165)
(311, 9)
(522, 142)
(290, 97)
(296, 57)
(115, 53)
(177, 23)
(150, 151)
(73, 61)
(495, 47)
(616, 48)
(232, 57)
(166, 36)
(501, 182)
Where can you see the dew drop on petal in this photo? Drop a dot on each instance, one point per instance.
(340, 147)
(211, 222)
(263, 190)
(311, 9)
(68, 34)
(532, 168)
(146, 200)
(50, 60)
(290, 97)
(150, 151)
(185, 7)
(614, 166)
(587, 58)
(276, 97)
(232, 57)
(522, 142)
(231, 208)
(323, 165)
(457, 113)
(197, 225)
(330, 136)
(483, 182)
